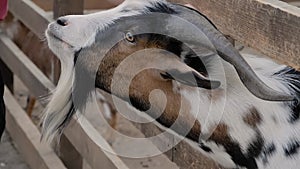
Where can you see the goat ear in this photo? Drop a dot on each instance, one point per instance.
(190, 78)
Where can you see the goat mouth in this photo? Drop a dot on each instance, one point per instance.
(54, 36)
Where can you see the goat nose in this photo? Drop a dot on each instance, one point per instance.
(62, 22)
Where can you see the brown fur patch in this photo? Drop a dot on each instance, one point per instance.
(221, 135)
(141, 88)
(117, 54)
(143, 83)
(253, 118)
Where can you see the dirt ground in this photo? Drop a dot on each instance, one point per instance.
(9, 156)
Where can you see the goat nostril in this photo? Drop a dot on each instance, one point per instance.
(62, 22)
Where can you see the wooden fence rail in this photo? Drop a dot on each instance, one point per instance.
(27, 137)
(270, 26)
(30, 15)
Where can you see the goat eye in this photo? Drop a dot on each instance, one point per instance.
(129, 37)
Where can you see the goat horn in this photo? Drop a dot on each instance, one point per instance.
(227, 51)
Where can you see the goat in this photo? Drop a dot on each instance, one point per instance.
(241, 116)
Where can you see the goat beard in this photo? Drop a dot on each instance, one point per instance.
(60, 109)
(70, 97)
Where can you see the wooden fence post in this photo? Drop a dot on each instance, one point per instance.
(69, 155)
(67, 7)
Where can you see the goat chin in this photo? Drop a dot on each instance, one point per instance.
(60, 106)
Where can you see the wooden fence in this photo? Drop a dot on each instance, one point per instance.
(270, 26)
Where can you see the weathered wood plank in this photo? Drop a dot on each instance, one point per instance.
(67, 7)
(296, 3)
(27, 137)
(88, 4)
(84, 137)
(270, 26)
(183, 154)
(69, 155)
(187, 157)
(21, 66)
(122, 145)
(92, 145)
(31, 15)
